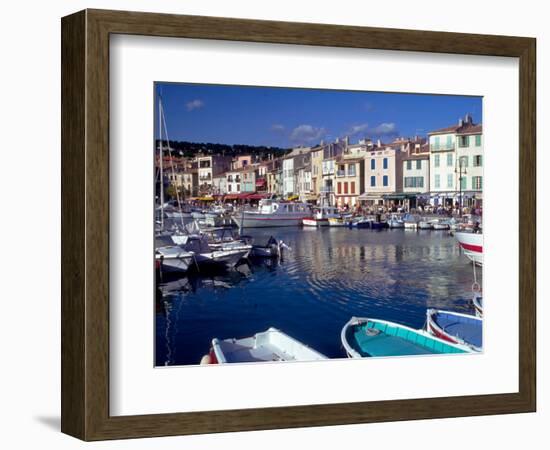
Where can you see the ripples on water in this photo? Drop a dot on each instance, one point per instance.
(330, 275)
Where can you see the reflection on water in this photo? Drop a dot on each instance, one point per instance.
(330, 275)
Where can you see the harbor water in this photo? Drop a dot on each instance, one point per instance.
(330, 275)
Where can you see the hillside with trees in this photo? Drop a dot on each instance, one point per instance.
(191, 149)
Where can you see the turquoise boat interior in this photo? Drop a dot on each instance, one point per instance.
(380, 339)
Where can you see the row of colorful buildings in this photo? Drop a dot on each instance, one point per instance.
(446, 169)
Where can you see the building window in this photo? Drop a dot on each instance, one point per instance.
(372, 164)
(351, 170)
(437, 181)
(449, 180)
(436, 161)
(463, 181)
(449, 142)
(477, 161)
(464, 141)
(238, 187)
(478, 140)
(346, 187)
(463, 161)
(477, 183)
(436, 143)
(418, 164)
(385, 180)
(385, 163)
(339, 187)
(449, 159)
(373, 179)
(352, 187)
(409, 164)
(229, 188)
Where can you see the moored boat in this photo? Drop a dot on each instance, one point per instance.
(440, 224)
(425, 225)
(206, 255)
(270, 345)
(366, 337)
(173, 258)
(472, 245)
(456, 328)
(477, 301)
(396, 222)
(337, 222)
(321, 217)
(272, 213)
(272, 249)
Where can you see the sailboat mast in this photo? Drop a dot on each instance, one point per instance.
(161, 168)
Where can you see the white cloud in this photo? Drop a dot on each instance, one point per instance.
(363, 130)
(385, 129)
(194, 104)
(306, 134)
(278, 128)
(354, 130)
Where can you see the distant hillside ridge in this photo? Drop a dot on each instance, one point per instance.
(192, 149)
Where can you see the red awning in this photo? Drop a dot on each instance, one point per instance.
(260, 182)
(257, 196)
(240, 196)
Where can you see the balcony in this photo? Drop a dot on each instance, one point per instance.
(442, 147)
(341, 173)
(205, 178)
(327, 189)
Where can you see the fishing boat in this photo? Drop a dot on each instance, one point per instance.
(207, 255)
(270, 345)
(337, 222)
(360, 222)
(365, 337)
(477, 301)
(272, 249)
(456, 328)
(472, 244)
(321, 217)
(425, 225)
(173, 258)
(410, 221)
(273, 213)
(396, 222)
(440, 224)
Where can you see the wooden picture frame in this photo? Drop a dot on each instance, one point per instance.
(85, 224)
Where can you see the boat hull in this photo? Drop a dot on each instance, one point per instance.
(268, 222)
(315, 222)
(364, 337)
(472, 245)
(270, 345)
(456, 328)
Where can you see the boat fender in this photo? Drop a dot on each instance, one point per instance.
(372, 332)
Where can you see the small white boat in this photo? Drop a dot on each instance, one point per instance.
(270, 345)
(410, 221)
(273, 213)
(173, 258)
(206, 255)
(396, 222)
(440, 224)
(425, 225)
(472, 245)
(321, 217)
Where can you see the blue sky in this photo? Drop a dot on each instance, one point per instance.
(291, 117)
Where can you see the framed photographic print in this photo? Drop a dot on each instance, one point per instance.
(270, 224)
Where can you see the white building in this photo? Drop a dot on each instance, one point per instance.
(456, 164)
